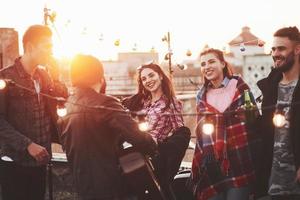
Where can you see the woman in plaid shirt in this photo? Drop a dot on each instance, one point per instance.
(222, 167)
(156, 98)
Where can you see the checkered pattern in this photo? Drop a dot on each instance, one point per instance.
(27, 113)
(163, 121)
(221, 160)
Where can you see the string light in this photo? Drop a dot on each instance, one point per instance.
(279, 118)
(182, 66)
(260, 43)
(61, 111)
(142, 122)
(2, 84)
(242, 47)
(117, 43)
(207, 126)
(188, 52)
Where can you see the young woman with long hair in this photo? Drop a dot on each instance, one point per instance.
(156, 98)
(222, 167)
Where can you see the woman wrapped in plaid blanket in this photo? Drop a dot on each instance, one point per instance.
(222, 165)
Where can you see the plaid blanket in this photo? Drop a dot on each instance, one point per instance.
(222, 160)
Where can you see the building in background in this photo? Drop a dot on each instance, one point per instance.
(9, 46)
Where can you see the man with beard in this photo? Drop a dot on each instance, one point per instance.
(279, 174)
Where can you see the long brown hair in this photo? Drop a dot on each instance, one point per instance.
(166, 84)
(227, 71)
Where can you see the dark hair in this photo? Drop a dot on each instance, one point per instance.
(86, 70)
(290, 32)
(35, 33)
(166, 84)
(227, 71)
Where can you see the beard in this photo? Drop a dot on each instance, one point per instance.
(287, 64)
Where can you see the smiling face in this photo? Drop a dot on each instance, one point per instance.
(212, 67)
(283, 53)
(151, 80)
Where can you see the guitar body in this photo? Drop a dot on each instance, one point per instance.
(138, 173)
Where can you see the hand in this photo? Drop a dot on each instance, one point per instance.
(298, 176)
(39, 153)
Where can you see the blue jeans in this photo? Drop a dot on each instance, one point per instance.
(242, 193)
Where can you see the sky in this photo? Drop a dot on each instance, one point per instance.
(92, 26)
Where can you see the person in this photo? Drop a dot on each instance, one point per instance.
(28, 118)
(92, 130)
(156, 99)
(222, 166)
(280, 164)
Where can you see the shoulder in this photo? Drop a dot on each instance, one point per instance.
(7, 70)
(200, 93)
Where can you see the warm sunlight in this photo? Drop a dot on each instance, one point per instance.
(93, 26)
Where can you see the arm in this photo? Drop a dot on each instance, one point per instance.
(9, 136)
(128, 128)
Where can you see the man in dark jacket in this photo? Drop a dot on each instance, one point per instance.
(28, 118)
(91, 133)
(280, 169)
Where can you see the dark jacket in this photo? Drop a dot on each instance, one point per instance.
(269, 89)
(18, 112)
(91, 138)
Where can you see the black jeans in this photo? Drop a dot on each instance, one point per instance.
(22, 183)
(286, 197)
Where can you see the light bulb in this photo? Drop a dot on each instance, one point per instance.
(117, 42)
(182, 66)
(143, 126)
(208, 128)
(242, 47)
(260, 43)
(2, 84)
(279, 119)
(61, 111)
(188, 52)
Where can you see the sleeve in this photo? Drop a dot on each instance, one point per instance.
(176, 117)
(9, 136)
(122, 122)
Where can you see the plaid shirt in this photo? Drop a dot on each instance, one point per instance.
(28, 117)
(162, 121)
(221, 160)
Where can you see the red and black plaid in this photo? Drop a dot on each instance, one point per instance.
(221, 160)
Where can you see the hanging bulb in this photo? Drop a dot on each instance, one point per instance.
(164, 38)
(142, 122)
(188, 52)
(279, 118)
(166, 57)
(61, 111)
(2, 84)
(143, 126)
(117, 43)
(207, 127)
(242, 47)
(182, 66)
(260, 43)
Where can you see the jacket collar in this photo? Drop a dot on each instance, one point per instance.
(20, 69)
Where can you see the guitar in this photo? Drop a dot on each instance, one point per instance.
(138, 172)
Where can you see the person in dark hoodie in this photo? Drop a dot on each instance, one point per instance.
(280, 163)
(91, 135)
